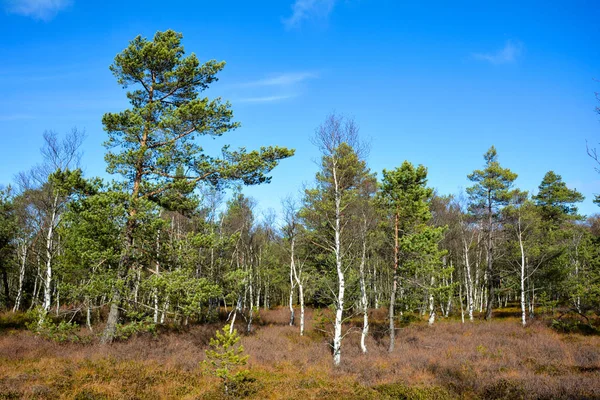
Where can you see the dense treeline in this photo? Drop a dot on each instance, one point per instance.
(161, 244)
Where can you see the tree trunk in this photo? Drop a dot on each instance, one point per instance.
(113, 318)
(115, 307)
(298, 277)
(394, 285)
(88, 316)
(292, 283)
(431, 304)
(301, 293)
(6, 287)
(363, 290)
(490, 273)
(21, 278)
(49, 257)
(523, 312)
(337, 335)
(462, 308)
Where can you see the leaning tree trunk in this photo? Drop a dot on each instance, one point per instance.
(21, 278)
(298, 277)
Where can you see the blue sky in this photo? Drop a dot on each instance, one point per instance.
(427, 82)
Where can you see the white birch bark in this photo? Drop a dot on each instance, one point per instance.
(339, 306)
(23, 254)
(431, 304)
(292, 282)
(520, 237)
(363, 289)
(298, 277)
(49, 256)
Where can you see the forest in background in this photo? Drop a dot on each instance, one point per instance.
(173, 241)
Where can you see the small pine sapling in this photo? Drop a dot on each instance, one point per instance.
(224, 356)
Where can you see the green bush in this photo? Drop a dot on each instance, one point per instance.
(401, 391)
(14, 320)
(570, 326)
(125, 331)
(42, 324)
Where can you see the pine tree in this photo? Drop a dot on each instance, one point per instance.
(556, 201)
(153, 140)
(404, 198)
(488, 195)
(225, 356)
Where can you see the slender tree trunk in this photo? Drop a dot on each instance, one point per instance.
(363, 290)
(23, 264)
(292, 283)
(6, 286)
(490, 272)
(301, 294)
(431, 304)
(237, 307)
(88, 315)
(394, 285)
(462, 308)
(166, 306)
(251, 304)
(298, 277)
(57, 296)
(337, 335)
(450, 293)
(49, 256)
(523, 312)
(375, 288)
(469, 284)
(36, 283)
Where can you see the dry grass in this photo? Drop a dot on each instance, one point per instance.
(484, 360)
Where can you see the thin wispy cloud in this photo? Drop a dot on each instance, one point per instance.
(508, 54)
(308, 9)
(43, 10)
(266, 99)
(15, 117)
(273, 88)
(286, 79)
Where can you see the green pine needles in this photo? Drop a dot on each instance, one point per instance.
(225, 356)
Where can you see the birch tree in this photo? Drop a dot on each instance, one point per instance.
(291, 231)
(327, 207)
(49, 187)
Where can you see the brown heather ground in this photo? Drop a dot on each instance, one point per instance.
(497, 360)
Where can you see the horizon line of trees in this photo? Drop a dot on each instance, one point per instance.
(161, 244)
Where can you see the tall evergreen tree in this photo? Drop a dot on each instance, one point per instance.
(153, 138)
(405, 199)
(490, 192)
(556, 201)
